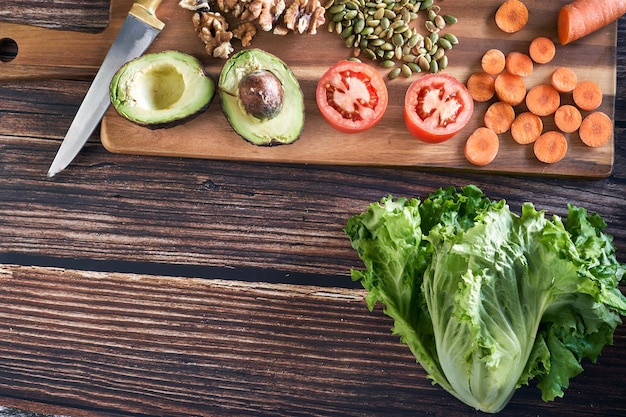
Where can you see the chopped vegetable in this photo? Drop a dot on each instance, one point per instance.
(437, 107)
(526, 128)
(510, 88)
(481, 86)
(352, 96)
(482, 146)
(587, 95)
(488, 300)
(499, 117)
(550, 147)
(512, 16)
(596, 129)
(542, 50)
(519, 64)
(567, 118)
(543, 100)
(583, 17)
(564, 79)
(493, 61)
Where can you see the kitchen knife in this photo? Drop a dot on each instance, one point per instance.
(140, 28)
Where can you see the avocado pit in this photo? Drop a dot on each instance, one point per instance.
(261, 94)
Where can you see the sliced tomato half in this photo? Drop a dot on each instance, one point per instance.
(352, 96)
(437, 107)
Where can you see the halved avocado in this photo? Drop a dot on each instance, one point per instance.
(162, 89)
(261, 98)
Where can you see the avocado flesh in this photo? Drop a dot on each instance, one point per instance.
(283, 127)
(162, 89)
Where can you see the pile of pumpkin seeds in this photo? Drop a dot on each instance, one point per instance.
(384, 30)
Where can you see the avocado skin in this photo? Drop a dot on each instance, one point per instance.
(180, 72)
(281, 129)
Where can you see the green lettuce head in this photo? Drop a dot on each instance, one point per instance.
(488, 300)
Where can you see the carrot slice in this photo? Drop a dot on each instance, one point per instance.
(499, 117)
(564, 79)
(567, 118)
(511, 16)
(550, 147)
(481, 86)
(482, 146)
(510, 88)
(526, 128)
(493, 61)
(519, 64)
(587, 95)
(596, 129)
(583, 17)
(543, 100)
(542, 50)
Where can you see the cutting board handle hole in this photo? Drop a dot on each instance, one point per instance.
(8, 49)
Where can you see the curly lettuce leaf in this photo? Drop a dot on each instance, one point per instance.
(488, 300)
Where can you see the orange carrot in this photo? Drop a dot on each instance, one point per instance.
(596, 129)
(567, 118)
(499, 117)
(519, 64)
(511, 16)
(587, 95)
(510, 88)
(543, 100)
(542, 50)
(563, 79)
(550, 147)
(493, 61)
(482, 146)
(526, 128)
(481, 86)
(582, 17)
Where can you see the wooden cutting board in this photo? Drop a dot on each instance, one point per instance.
(388, 143)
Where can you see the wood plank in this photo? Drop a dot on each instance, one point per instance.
(389, 143)
(89, 343)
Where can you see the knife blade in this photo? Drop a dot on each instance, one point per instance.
(137, 33)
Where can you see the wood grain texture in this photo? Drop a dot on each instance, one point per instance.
(137, 286)
(213, 347)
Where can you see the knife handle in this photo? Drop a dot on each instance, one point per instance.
(145, 10)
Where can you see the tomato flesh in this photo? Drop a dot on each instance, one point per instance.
(351, 96)
(437, 107)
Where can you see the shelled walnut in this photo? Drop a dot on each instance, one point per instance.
(212, 29)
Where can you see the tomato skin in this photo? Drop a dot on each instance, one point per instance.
(351, 96)
(437, 107)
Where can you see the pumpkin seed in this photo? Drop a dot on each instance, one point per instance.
(450, 19)
(337, 8)
(359, 25)
(387, 63)
(423, 63)
(434, 67)
(451, 38)
(445, 43)
(352, 5)
(394, 73)
(350, 14)
(443, 62)
(369, 54)
(346, 32)
(431, 27)
(406, 71)
(414, 67)
(426, 4)
(439, 22)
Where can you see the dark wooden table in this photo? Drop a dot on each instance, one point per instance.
(137, 286)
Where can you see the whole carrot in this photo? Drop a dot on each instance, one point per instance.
(583, 17)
